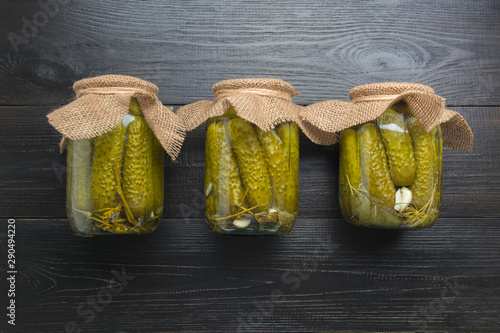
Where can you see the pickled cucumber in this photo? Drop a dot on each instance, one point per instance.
(158, 183)
(289, 135)
(134, 108)
(432, 211)
(427, 185)
(349, 171)
(277, 164)
(230, 113)
(349, 156)
(251, 163)
(398, 146)
(79, 153)
(137, 169)
(123, 172)
(211, 168)
(107, 155)
(374, 167)
(370, 212)
(438, 144)
(157, 162)
(364, 206)
(230, 189)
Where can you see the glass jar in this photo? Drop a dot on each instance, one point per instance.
(115, 180)
(390, 172)
(251, 176)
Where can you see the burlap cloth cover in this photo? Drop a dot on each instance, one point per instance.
(369, 101)
(102, 102)
(264, 102)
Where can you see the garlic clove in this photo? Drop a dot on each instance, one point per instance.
(128, 119)
(208, 190)
(403, 198)
(242, 223)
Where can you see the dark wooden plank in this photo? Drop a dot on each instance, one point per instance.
(32, 177)
(327, 276)
(323, 48)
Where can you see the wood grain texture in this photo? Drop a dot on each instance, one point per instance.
(328, 276)
(32, 177)
(323, 48)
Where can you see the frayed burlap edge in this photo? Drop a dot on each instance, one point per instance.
(370, 101)
(264, 102)
(102, 102)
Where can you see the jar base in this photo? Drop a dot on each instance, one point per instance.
(280, 226)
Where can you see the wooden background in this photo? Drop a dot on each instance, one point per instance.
(324, 276)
